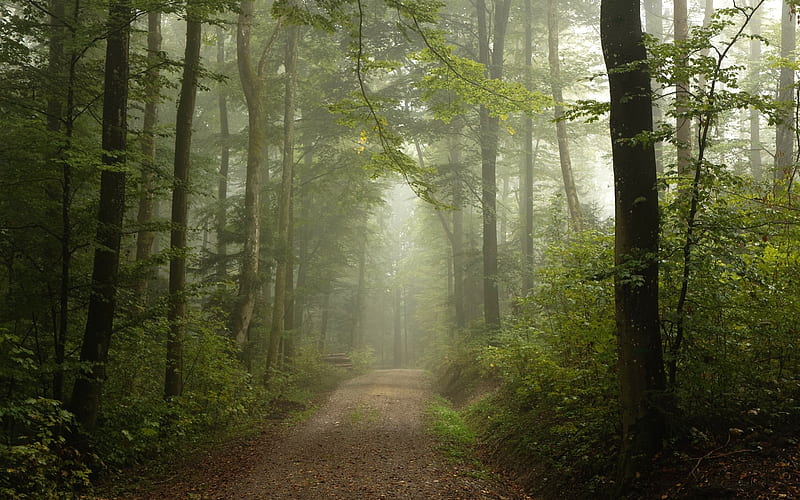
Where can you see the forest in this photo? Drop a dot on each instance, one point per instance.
(578, 217)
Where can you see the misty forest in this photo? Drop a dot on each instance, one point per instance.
(399, 249)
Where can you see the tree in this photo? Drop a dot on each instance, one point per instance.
(144, 217)
(573, 203)
(224, 163)
(86, 392)
(784, 133)
(489, 127)
(178, 309)
(283, 271)
(252, 85)
(755, 125)
(640, 358)
(526, 175)
(683, 124)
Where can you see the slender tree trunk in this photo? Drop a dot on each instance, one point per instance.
(145, 235)
(252, 86)
(86, 393)
(489, 126)
(224, 163)
(640, 358)
(282, 271)
(755, 125)
(573, 203)
(458, 237)
(323, 322)
(173, 381)
(288, 318)
(55, 118)
(683, 124)
(655, 28)
(357, 334)
(398, 326)
(784, 133)
(526, 176)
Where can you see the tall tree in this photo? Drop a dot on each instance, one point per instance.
(526, 176)
(640, 358)
(283, 271)
(252, 85)
(57, 116)
(573, 203)
(489, 128)
(144, 217)
(655, 28)
(755, 125)
(224, 163)
(784, 133)
(178, 309)
(87, 390)
(683, 124)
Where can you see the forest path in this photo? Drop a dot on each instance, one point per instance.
(368, 441)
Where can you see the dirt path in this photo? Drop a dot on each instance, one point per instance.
(368, 441)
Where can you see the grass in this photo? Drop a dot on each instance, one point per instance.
(456, 440)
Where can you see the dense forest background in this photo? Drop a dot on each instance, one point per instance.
(202, 199)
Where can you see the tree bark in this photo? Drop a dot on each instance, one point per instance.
(755, 125)
(86, 394)
(573, 203)
(489, 128)
(526, 176)
(145, 235)
(683, 124)
(640, 358)
(224, 163)
(173, 381)
(282, 270)
(252, 87)
(57, 64)
(655, 28)
(398, 326)
(784, 133)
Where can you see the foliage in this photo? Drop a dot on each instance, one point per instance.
(455, 438)
(34, 456)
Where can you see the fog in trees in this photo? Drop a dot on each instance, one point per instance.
(578, 217)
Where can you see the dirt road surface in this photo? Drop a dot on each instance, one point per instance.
(368, 441)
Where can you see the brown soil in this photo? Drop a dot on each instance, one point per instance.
(368, 441)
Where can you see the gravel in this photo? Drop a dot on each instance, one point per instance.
(368, 441)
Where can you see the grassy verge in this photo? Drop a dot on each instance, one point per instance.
(456, 440)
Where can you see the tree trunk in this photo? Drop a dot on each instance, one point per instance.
(655, 28)
(252, 86)
(640, 359)
(784, 133)
(173, 382)
(55, 119)
(755, 125)
(224, 163)
(458, 236)
(683, 124)
(87, 390)
(398, 326)
(145, 235)
(573, 204)
(488, 126)
(526, 176)
(282, 270)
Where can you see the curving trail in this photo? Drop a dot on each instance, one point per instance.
(367, 441)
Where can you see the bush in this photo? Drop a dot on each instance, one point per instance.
(34, 458)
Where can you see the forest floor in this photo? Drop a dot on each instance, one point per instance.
(367, 441)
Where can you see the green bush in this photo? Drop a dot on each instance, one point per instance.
(35, 461)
